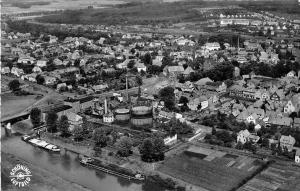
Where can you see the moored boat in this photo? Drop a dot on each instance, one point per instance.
(43, 144)
(95, 164)
(26, 138)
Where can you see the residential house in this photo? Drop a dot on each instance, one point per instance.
(203, 81)
(140, 66)
(157, 61)
(17, 72)
(212, 46)
(100, 87)
(29, 77)
(194, 103)
(5, 70)
(49, 80)
(287, 142)
(167, 115)
(291, 74)
(61, 86)
(188, 71)
(37, 69)
(264, 57)
(296, 123)
(289, 107)
(173, 70)
(26, 60)
(252, 118)
(222, 88)
(281, 121)
(41, 63)
(275, 97)
(169, 140)
(245, 136)
(57, 62)
(74, 120)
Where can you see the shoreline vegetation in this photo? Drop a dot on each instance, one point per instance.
(119, 164)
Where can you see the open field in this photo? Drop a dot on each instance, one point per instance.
(11, 104)
(154, 13)
(15, 6)
(211, 170)
(283, 177)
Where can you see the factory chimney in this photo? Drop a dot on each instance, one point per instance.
(105, 106)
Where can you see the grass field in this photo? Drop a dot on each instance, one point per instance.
(278, 176)
(216, 171)
(11, 104)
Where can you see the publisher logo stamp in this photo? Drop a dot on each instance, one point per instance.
(20, 175)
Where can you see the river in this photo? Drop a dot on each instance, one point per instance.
(68, 167)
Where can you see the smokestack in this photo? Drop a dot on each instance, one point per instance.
(105, 106)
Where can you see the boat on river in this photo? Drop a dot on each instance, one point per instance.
(40, 143)
(95, 164)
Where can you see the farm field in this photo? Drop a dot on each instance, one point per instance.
(283, 177)
(15, 6)
(211, 170)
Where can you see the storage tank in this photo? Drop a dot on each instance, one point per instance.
(141, 115)
(141, 110)
(141, 121)
(122, 114)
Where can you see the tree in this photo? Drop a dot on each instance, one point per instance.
(184, 100)
(213, 131)
(78, 133)
(100, 137)
(239, 146)
(132, 51)
(154, 69)
(147, 59)
(158, 148)
(176, 127)
(35, 116)
(63, 125)
(293, 115)
(131, 64)
(51, 122)
(124, 145)
(139, 80)
(14, 85)
(40, 79)
(265, 142)
(146, 150)
(167, 95)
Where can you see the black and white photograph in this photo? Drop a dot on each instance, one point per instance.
(150, 95)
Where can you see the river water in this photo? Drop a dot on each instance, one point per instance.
(68, 167)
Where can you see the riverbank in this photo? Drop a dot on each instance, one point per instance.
(132, 164)
(41, 179)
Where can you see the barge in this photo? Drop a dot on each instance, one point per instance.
(40, 143)
(95, 164)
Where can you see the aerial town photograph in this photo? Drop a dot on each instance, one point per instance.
(150, 95)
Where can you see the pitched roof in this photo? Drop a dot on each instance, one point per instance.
(175, 69)
(188, 70)
(203, 81)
